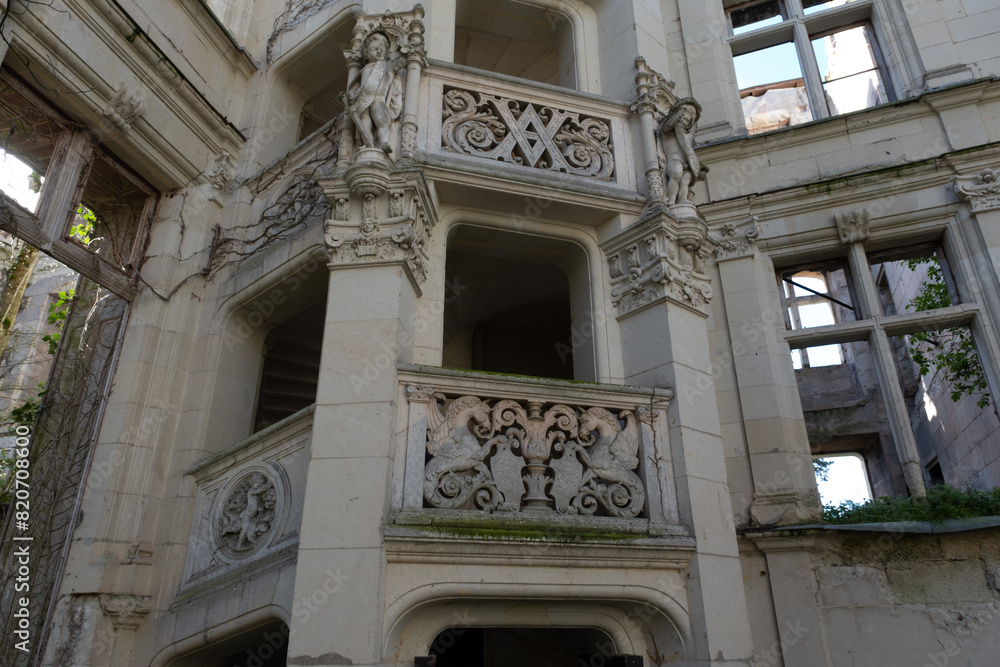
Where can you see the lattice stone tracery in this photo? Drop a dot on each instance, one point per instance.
(533, 135)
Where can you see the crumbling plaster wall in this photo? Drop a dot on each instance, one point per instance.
(884, 597)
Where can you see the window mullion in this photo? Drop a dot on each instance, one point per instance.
(64, 181)
(895, 407)
(810, 72)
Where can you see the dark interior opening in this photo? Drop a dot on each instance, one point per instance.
(290, 371)
(524, 647)
(509, 310)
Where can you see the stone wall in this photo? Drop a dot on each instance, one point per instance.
(877, 594)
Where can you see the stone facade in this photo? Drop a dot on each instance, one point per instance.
(463, 334)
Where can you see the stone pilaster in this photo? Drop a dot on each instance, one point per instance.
(659, 269)
(780, 460)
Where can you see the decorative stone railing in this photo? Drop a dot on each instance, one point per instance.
(533, 125)
(246, 509)
(508, 446)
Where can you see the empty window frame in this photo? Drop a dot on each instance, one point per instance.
(802, 60)
(901, 295)
(89, 205)
(816, 297)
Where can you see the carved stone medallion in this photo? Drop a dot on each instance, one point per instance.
(247, 515)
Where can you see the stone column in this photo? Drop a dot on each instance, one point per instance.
(853, 230)
(651, 88)
(379, 224)
(780, 459)
(981, 234)
(796, 600)
(661, 289)
(416, 60)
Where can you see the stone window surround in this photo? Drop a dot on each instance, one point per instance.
(67, 177)
(800, 29)
(875, 328)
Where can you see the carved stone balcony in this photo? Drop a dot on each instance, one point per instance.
(527, 449)
(486, 127)
(247, 512)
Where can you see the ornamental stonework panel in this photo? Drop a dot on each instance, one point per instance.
(532, 456)
(534, 135)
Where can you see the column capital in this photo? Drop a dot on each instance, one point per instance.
(380, 216)
(661, 259)
(982, 191)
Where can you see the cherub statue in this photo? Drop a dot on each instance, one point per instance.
(375, 94)
(682, 166)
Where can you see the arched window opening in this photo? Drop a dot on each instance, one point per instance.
(516, 301)
(526, 647)
(515, 39)
(315, 79)
(290, 371)
(263, 646)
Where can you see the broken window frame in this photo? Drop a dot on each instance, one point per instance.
(801, 28)
(877, 329)
(790, 304)
(66, 180)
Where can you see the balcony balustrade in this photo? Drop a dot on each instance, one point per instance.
(478, 445)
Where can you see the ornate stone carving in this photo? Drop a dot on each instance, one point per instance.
(734, 244)
(531, 456)
(383, 45)
(659, 267)
(247, 514)
(681, 166)
(394, 228)
(126, 611)
(375, 93)
(543, 137)
(220, 172)
(654, 93)
(125, 107)
(853, 226)
(981, 191)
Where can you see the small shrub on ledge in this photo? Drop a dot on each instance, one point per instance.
(942, 502)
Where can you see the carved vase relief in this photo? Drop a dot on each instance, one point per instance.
(247, 514)
(543, 137)
(532, 456)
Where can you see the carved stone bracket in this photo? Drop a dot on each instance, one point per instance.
(380, 217)
(533, 135)
(125, 107)
(735, 243)
(981, 191)
(126, 611)
(531, 456)
(853, 226)
(220, 171)
(659, 259)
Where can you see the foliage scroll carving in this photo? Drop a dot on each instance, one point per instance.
(539, 136)
(520, 456)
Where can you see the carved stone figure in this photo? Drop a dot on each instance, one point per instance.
(375, 93)
(610, 460)
(248, 512)
(456, 449)
(681, 166)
